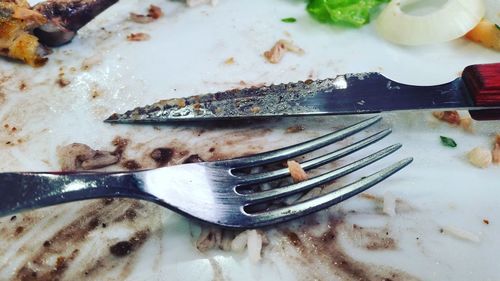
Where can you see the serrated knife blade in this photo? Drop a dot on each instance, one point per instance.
(346, 94)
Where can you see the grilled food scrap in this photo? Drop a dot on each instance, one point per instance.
(66, 17)
(25, 31)
(17, 21)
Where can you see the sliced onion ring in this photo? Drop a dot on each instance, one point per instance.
(453, 20)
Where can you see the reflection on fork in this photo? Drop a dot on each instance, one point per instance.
(213, 192)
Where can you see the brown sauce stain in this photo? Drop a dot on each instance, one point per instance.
(23, 86)
(2, 98)
(130, 213)
(131, 165)
(120, 145)
(62, 81)
(194, 158)
(124, 248)
(324, 248)
(65, 244)
(374, 239)
(162, 156)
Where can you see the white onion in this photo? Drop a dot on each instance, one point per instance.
(453, 20)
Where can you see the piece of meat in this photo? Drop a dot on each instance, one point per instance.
(72, 156)
(17, 22)
(78, 156)
(154, 13)
(298, 174)
(276, 53)
(140, 36)
(451, 117)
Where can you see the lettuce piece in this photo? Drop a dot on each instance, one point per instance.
(347, 12)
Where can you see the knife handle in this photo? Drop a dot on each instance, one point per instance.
(483, 82)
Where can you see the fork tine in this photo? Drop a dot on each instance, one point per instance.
(324, 178)
(299, 149)
(327, 200)
(316, 162)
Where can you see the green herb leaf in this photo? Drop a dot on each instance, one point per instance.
(448, 142)
(348, 12)
(498, 26)
(289, 20)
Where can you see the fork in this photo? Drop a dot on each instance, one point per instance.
(210, 191)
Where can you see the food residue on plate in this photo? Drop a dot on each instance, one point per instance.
(78, 156)
(139, 36)
(17, 22)
(460, 233)
(276, 53)
(296, 171)
(229, 61)
(453, 117)
(496, 150)
(154, 13)
(480, 157)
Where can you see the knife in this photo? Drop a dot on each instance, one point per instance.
(478, 90)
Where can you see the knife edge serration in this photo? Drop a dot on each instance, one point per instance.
(269, 100)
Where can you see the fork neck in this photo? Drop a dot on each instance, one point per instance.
(24, 191)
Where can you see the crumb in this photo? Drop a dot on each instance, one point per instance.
(296, 171)
(466, 123)
(480, 157)
(229, 61)
(496, 150)
(140, 36)
(276, 53)
(451, 117)
(485, 221)
(63, 82)
(154, 13)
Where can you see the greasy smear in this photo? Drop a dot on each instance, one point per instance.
(323, 249)
(131, 165)
(162, 156)
(53, 257)
(371, 238)
(124, 248)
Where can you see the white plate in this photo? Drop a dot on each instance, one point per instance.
(185, 56)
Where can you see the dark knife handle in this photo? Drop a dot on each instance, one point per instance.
(483, 82)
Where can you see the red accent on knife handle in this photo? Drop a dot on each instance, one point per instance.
(483, 82)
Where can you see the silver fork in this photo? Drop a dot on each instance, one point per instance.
(209, 191)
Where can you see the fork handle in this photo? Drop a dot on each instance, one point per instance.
(25, 191)
(483, 82)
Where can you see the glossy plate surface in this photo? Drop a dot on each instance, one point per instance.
(187, 55)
